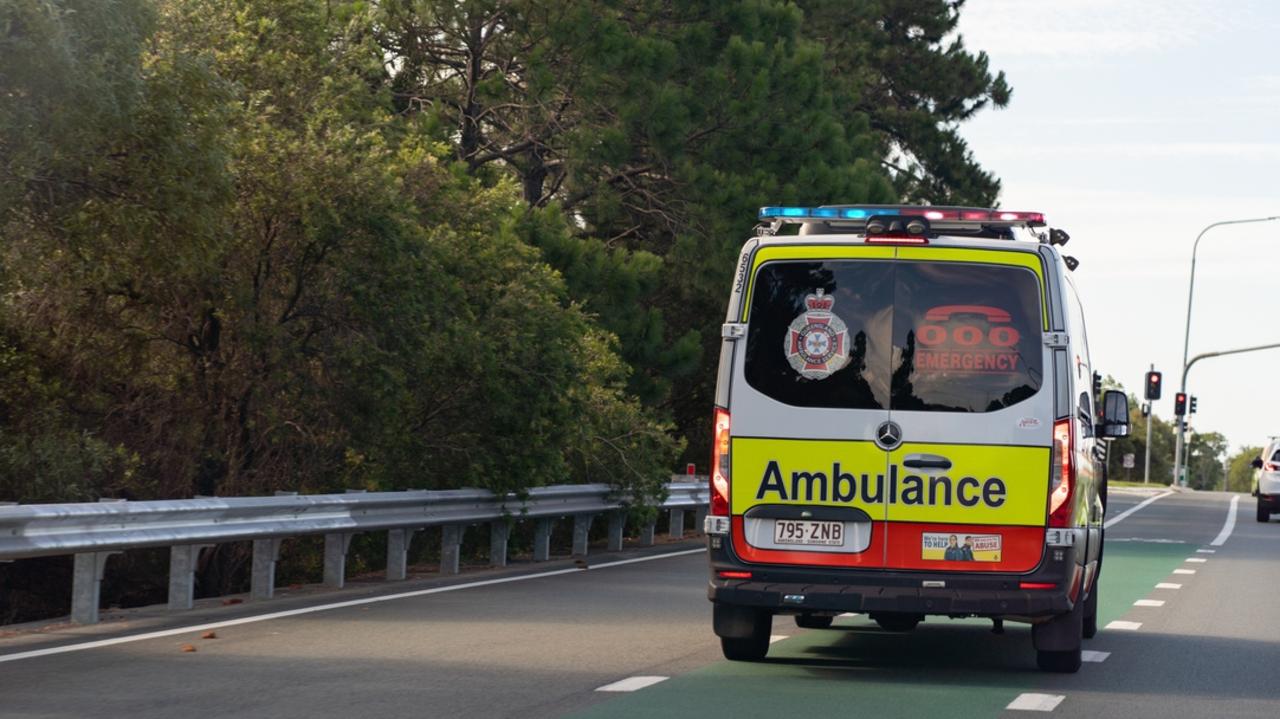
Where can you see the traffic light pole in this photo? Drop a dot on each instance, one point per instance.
(1186, 336)
(1178, 444)
(1146, 463)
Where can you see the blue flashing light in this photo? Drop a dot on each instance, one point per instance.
(834, 213)
(783, 212)
(853, 214)
(825, 212)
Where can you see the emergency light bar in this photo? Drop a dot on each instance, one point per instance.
(974, 216)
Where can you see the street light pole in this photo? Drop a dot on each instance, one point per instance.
(1186, 335)
(1151, 411)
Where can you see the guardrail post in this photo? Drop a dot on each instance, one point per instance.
(262, 580)
(581, 531)
(335, 559)
(182, 575)
(86, 586)
(450, 548)
(677, 524)
(647, 532)
(617, 521)
(499, 534)
(542, 540)
(398, 541)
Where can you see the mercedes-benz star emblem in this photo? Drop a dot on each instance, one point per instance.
(888, 435)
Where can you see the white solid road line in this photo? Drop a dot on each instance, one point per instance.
(1116, 519)
(1229, 525)
(1125, 626)
(1149, 603)
(631, 684)
(1030, 702)
(16, 656)
(1089, 655)
(1168, 585)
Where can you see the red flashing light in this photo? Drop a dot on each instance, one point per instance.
(897, 240)
(1062, 478)
(720, 469)
(727, 574)
(1037, 585)
(1271, 467)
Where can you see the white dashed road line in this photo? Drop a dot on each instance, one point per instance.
(1124, 626)
(1228, 526)
(631, 684)
(1206, 551)
(1089, 655)
(1168, 585)
(1149, 603)
(777, 637)
(1184, 571)
(1197, 560)
(1116, 519)
(1030, 702)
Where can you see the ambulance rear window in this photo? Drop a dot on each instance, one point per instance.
(819, 333)
(966, 337)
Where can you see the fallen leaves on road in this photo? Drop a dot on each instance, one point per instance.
(188, 647)
(232, 600)
(209, 635)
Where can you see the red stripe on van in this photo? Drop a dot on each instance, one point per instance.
(1021, 547)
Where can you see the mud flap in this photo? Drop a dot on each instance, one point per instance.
(1063, 633)
(735, 622)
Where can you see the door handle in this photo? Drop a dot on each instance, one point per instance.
(926, 461)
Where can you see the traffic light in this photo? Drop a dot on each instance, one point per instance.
(1180, 404)
(1191, 409)
(1097, 384)
(1153, 385)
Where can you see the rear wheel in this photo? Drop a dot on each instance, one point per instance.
(1058, 641)
(745, 649)
(743, 631)
(1264, 514)
(813, 621)
(1067, 662)
(893, 622)
(1091, 613)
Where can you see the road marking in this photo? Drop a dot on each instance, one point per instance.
(1089, 655)
(777, 637)
(1184, 571)
(1229, 525)
(1207, 551)
(631, 684)
(1116, 519)
(846, 615)
(1149, 603)
(1196, 560)
(1036, 702)
(1168, 585)
(1145, 540)
(1125, 626)
(16, 656)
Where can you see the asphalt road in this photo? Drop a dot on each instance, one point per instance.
(539, 642)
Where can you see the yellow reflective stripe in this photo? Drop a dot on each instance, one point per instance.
(810, 252)
(986, 484)
(1016, 258)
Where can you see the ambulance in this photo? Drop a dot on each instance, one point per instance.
(907, 424)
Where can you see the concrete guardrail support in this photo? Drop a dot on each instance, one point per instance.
(499, 535)
(262, 579)
(617, 523)
(542, 540)
(86, 586)
(398, 541)
(581, 532)
(677, 524)
(335, 559)
(450, 548)
(183, 560)
(647, 533)
(699, 519)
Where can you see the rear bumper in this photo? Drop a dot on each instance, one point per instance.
(799, 589)
(1271, 502)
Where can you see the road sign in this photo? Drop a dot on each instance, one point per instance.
(1128, 461)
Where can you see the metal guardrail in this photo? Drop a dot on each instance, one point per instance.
(93, 532)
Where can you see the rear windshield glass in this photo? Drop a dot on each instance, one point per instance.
(908, 335)
(1276, 457)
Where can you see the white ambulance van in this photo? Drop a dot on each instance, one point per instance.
(906, 424)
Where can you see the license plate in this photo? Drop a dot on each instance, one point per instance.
(803, 531)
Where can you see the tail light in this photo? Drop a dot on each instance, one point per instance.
(1062, 474)
(1271, 467)
(720, 466)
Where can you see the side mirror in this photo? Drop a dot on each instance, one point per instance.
(1256, 463)
(1115, 415)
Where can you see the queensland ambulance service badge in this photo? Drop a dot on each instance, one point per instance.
(818, 341)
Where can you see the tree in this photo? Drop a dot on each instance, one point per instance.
(1241, 475)
(1205, 454)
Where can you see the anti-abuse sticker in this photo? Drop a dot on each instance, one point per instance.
(961, 547)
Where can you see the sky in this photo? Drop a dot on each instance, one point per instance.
(1133, 125)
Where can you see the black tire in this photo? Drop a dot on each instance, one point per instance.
(1067, 662)
(747, 649)
(1264, 514)
(813, 621)
(894, 622)
(1091, 613)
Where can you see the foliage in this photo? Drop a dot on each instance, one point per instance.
(1241, 476)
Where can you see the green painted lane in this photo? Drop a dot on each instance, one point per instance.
(945, 668)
